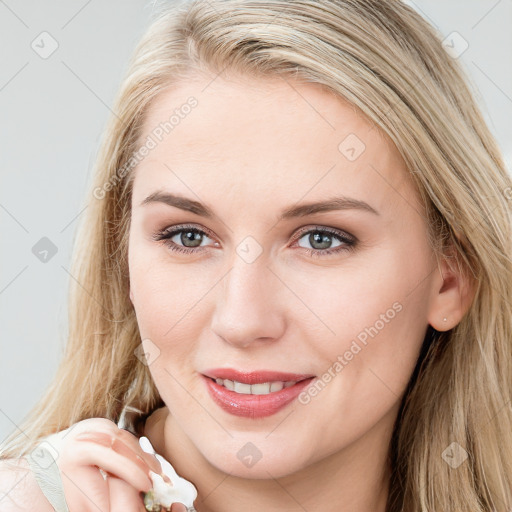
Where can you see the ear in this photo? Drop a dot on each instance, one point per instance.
(131, 295)
(453, 291)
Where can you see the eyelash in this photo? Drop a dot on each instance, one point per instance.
(349, 241)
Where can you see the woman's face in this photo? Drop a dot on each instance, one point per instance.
(341, 292)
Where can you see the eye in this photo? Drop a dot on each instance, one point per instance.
(321, 239)
(188, 239)
(185, 239)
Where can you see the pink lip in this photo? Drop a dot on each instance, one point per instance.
(254, 377)
(253, 406)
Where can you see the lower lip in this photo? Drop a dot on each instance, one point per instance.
(253, 406)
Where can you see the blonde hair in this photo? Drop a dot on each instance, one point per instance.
(385, 59)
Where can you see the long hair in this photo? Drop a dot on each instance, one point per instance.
(386, 60)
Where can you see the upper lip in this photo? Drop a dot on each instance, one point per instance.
(255, 376)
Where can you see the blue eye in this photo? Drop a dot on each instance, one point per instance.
(188, 239)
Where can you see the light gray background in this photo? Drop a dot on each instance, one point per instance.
(53, 111)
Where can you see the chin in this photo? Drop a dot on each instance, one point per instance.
(257, 459)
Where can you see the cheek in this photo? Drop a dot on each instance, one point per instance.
(163, 304)
(167, 297)
(378, 326)
(356, 293)
(169, 316)
(373, 316)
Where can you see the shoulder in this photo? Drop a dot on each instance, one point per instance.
(19, 490)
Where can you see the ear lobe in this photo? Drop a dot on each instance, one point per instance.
(453, 292)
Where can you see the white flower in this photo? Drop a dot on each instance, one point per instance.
(163, 493)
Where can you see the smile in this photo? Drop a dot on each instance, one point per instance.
(264, 388)
(256, 400)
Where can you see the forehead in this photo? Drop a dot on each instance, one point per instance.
(266, 138)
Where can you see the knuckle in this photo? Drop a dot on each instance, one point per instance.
(92, 425)
(125, 435)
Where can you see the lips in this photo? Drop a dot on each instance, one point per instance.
(256, 376)
(254, 405)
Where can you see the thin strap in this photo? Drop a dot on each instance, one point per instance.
(48, 477)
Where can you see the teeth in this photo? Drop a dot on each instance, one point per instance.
(240, 387)
(260, 389)
(254, 389)
(276, 386)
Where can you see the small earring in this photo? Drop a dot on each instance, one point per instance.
(444, 319)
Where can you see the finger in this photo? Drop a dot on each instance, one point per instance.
(178, 507)
(104, 437)
(118, 460)
(114, 443)
(151, 461)
(133, 442)
(123, 497)
(85, 490)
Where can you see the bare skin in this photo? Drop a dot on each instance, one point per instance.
(80, 451)
(251, 149)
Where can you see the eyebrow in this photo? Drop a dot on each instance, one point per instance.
(302, 210)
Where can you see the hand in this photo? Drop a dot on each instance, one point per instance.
(97, 443)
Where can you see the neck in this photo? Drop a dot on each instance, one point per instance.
(354, 479)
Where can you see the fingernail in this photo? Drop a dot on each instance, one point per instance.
(143, 464)
(156, 465)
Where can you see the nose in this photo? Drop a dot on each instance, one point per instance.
(248, 308)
